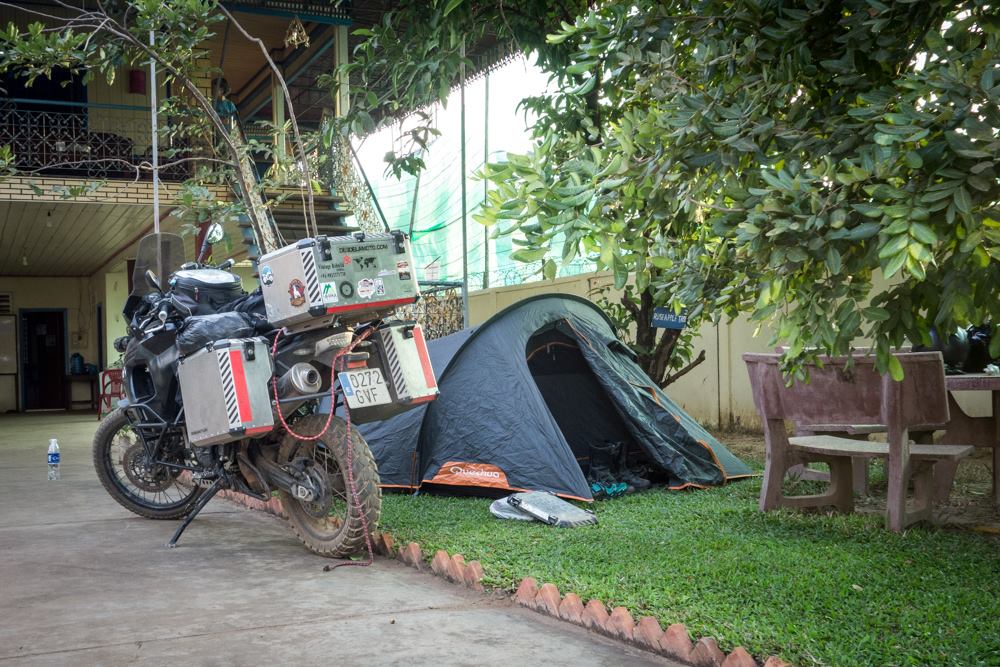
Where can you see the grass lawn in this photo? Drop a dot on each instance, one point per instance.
(812, 588)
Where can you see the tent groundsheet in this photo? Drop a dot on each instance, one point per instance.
(525, 396)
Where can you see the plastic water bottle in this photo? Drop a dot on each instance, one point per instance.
(53, 459)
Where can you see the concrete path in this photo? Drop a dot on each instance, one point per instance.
(84, 582)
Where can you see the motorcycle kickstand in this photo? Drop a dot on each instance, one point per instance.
(209, 493)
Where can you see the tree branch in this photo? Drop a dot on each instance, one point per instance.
(630, 307)
(291, 113)
(660, 359)
(684, 371)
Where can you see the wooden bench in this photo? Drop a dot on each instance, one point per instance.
(854, 397)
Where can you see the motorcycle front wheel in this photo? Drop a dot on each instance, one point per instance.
(149, 491)
(333, 525)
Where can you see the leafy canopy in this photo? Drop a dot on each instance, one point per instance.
(756, 157)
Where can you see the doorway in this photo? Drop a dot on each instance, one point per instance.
(43, 359)
(578, 403)
(100, 337)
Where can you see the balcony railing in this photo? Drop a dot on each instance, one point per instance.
(82, 140)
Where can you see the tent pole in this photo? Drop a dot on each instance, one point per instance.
(413, 209)
(155, 140)
(465, 227)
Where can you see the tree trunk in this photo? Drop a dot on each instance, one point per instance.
(655, 346)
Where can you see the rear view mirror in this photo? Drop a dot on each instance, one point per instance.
(215, 233)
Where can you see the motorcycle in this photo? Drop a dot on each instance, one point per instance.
(155, 463)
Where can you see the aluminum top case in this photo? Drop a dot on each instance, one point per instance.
(316, 280)
(225, 389)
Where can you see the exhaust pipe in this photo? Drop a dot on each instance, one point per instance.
(301, 379)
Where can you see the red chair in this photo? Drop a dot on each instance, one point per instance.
(112, 388)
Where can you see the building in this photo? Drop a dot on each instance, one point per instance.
(64, 262)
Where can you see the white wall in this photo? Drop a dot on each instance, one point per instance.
(77, 296)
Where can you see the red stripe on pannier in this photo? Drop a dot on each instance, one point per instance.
(240, 385)
(370, 304)
(425, 360)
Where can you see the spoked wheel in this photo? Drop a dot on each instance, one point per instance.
(120, 461)
(331, 525)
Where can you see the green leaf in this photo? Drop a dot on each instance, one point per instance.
(585, 87)
(549, 269)
(868, 210)
(963, 202)
(895, 264)
(864, 231)
(581, 67)
(995, 344)
(923, 233)
(895, 368)
(642, 280)
(915, 268)
(833, 260)
(579, 199)
(920, 253)
(451, 6)
(621, 272)
(894, 246)
(527, 255)
(913, 160)
(875, 314)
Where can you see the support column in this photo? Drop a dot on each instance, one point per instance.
(486, 183)
(465, 226)
(278, 118)
(342, 100)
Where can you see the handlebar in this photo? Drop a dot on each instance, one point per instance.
(225, 266)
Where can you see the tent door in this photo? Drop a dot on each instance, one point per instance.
(580, 406)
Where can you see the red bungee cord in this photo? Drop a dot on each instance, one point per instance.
(347, 442)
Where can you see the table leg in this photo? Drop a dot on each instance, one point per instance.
(996, 449)
(860, 473)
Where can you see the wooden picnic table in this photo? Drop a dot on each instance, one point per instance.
(977, 431)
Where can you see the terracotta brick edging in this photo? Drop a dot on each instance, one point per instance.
(271, 506)
(646, 633)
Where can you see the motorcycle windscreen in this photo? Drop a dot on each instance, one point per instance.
(160, 253)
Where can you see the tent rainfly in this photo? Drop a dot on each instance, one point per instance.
(523, 398)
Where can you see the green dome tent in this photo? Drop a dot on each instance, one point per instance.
(523, 398)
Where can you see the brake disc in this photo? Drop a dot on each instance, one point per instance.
(153, 480)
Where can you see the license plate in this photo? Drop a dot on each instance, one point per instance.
(365, 388)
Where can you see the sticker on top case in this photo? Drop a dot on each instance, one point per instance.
(366, 287)
(330, 293)
(266, 275)
(296, 292)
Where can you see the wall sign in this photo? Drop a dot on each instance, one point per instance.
(665, 318)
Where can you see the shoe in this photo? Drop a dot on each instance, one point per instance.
(603, 462)
(633, 480)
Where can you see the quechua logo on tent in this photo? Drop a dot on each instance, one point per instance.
(459, 473)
